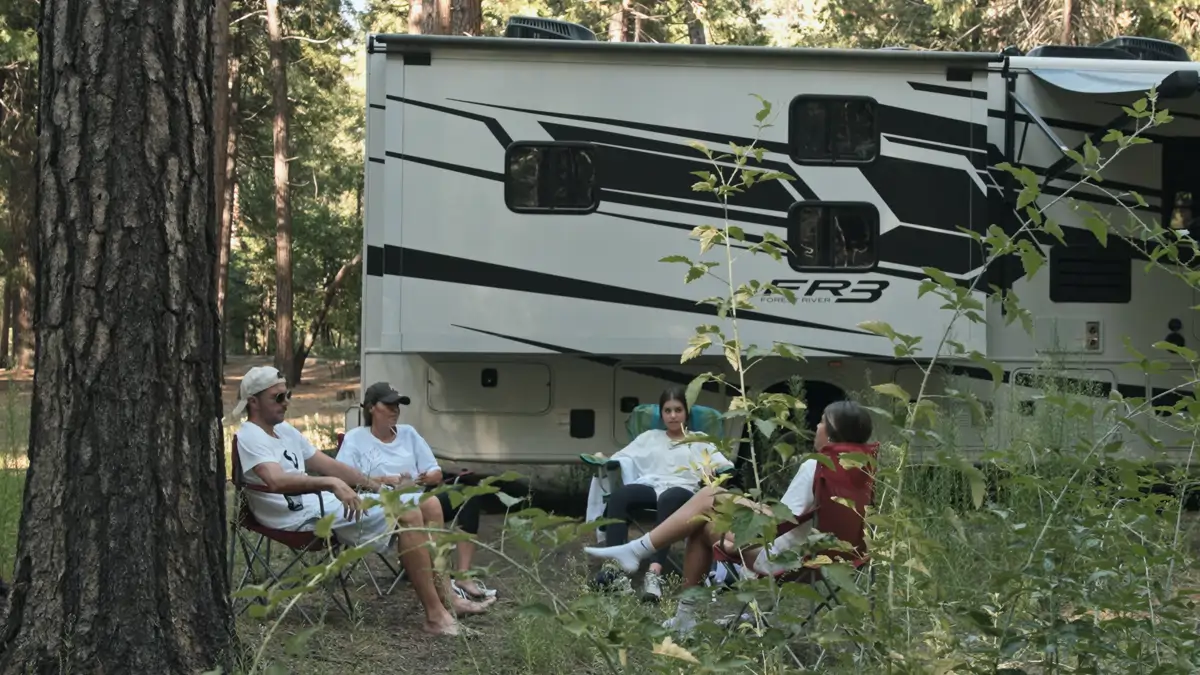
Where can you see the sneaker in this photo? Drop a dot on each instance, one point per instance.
(613, 581)
(681, 625)
(652, 587)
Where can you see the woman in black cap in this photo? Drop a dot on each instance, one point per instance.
(382, 447)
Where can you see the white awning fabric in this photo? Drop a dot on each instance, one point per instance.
(1099, 82)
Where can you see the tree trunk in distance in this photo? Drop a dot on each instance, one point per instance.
(284, 343)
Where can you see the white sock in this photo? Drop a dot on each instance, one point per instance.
(629, 555)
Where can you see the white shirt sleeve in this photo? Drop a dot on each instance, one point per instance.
(799, 495)
(254, 449)
(426, 462)
(800, 500)
(351, 451)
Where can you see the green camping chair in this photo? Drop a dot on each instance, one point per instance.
(701, 419)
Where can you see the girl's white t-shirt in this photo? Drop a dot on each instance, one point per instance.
(662, 463)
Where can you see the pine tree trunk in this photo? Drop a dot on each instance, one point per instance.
(435, 17)
(5, 323)
(120, 564)
(229, 184)
(694, 25)
(619, 23)
(416, 15)
(23, 337)
(284, 343)
(466, 17)
(1068, 15)
(221, 77)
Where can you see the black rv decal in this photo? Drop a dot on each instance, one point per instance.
(829, 290)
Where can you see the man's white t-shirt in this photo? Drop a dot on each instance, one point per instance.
(407, 453)
(289, 451)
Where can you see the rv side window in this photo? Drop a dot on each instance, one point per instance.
(833, 236)
(551, 178)
(833, 130)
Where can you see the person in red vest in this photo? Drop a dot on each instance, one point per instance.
(845, 429)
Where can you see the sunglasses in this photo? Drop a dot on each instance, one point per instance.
(283, 396)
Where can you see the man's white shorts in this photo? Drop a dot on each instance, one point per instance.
(372, 529)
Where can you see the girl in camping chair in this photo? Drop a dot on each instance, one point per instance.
(665, 474)
(845, 427)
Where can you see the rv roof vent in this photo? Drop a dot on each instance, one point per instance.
(1073, 52)
(1148, 49)
(537, 28)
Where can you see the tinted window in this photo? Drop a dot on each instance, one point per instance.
(544, 178)
(830, 130)
(833, 236)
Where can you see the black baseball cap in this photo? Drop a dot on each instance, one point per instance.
(382, 392)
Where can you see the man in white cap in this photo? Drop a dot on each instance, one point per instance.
(276, 455)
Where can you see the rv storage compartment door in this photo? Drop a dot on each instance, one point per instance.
(489, 387)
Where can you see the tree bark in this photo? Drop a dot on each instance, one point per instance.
(416, 15)
(619, 22)
(435, 17)
(120, 563)
(466, 17)
(319, 323)
(1067, 19)
(229, 184)
(284, 342)
(694, 25)
(23, 337)
(221, 77)
(5, 323)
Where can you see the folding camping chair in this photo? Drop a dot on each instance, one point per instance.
(610, 472)
(833, 491)
(257, 552)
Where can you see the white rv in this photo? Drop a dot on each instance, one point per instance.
(521, 192)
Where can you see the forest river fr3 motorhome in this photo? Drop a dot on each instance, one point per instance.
(521, 192)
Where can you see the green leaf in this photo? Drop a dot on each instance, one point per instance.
(1140, 105)
(693, 388)
(995, 369)
(894, 390)
(765, 427)
(324, 527)
(1055, 230)
(878, 328)
(508, 500)
(1031, 257)
(1099, 228)
(978, 486)
(676, 259)
(1027, 196)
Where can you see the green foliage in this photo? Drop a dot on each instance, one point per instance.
(326, 132)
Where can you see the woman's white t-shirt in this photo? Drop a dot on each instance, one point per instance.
(407, 453)
(662, 463)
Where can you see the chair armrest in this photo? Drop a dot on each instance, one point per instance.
(728, 469)
(594, 460)
(265, 490)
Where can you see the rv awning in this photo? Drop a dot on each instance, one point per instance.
(1110, 82)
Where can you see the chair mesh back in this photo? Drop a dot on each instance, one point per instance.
(702, 419)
